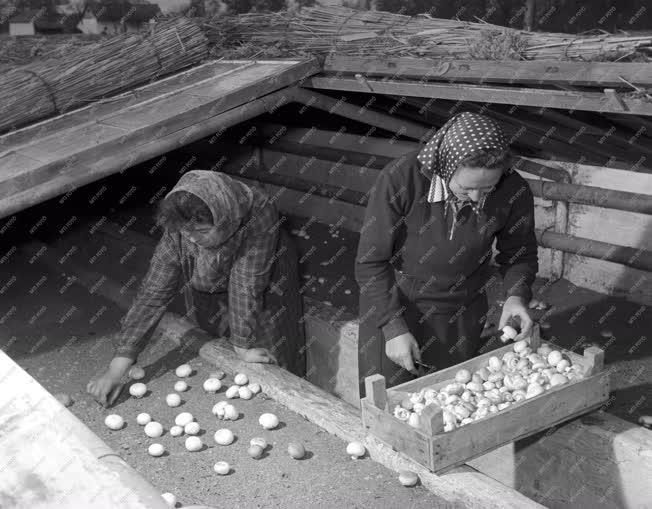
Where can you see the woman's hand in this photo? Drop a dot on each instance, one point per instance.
(516, 308)
(261, 355)
(107, 387)
(402, 350)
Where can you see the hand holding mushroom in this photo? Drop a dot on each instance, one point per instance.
(515, 308)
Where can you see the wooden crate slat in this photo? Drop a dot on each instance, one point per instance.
(518, 421)
(402, 437)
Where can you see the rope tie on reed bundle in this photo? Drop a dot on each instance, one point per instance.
(47, 88)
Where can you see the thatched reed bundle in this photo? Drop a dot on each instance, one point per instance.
(92, 72)
(322, 30)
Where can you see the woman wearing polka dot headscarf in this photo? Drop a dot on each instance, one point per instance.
(423, 260)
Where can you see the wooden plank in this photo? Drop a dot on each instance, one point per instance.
(518, 421)
(141, 148)
(536, 72)
(589, 101)
(97, 109)
(49, 458)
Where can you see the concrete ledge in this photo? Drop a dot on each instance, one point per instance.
(51, 459)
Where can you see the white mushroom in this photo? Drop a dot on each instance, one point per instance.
(558, 379)
(153, 429)
(488, 386)
(222, 467)
(413, 420)
(245, 393)
(218, 409)
(183, 371)
(533, 390)
(192, 428)
(233, 392)
(509, 333)
(259, 441)
(355, 450)
(224, 436)
(554, 357)
(401, 413)
(544, 350)
(143, 418)
(268, 421)
(114, 422)
(180, 386)
(173, 399)
(562, 365)
(463, 376)
(194, 444)
(240, 379)
(230, 413)
(454, 389)
(176, 431)
(136, 373)
(138, 390)
(183, 418)
(212, 385)
(170, 499)
(156, 450)
(495, 364)
(254, 387)
(474, 387)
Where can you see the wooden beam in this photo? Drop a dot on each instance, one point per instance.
(536, 72)
(589, 101)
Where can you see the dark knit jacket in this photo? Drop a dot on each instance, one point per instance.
(403, 231)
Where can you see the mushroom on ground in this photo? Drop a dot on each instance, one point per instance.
(233, 392)
(170, 499)
(143, 418)
(153, 429)
(356, 450)
(183, 418)
(136, 373)
(64, 399)
(156, 450)
(407, 478)
(259, 441)
(183, 371)
(176, 431)
(173, 400)
(180, 386)
(222, 467)
(138, 390)
(296, 450)
(268, 421)
(230, 413)
(114, 422)
(212, 385)
(255, 451)
(192, 428)
(241, 379)
(254, 387)
(224, 436)
(218, 409)
(193, 443)
(245, 393)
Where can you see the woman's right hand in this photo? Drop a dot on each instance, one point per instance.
(403, 350)
(106, 387)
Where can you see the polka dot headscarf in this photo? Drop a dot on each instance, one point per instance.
(464, 134)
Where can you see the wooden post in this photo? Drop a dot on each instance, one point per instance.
(376, 391)
(432, 420)
(594, 359)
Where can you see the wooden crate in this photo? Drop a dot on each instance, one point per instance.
(437, 450)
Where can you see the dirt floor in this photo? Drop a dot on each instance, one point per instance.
(61, 334)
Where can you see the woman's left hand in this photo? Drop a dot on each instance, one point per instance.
(516, 308)
(261, 355)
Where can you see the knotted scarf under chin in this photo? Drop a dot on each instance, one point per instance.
(462, 135)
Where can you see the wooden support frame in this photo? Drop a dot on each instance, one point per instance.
(536, 72)
(561, 99)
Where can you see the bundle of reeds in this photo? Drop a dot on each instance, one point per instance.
(344, 31)
(97, 71)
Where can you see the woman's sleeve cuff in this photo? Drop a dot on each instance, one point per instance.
(395, 327)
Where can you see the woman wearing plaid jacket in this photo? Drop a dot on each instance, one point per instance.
(224, 249)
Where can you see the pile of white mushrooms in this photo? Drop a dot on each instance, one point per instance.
(519, 375)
